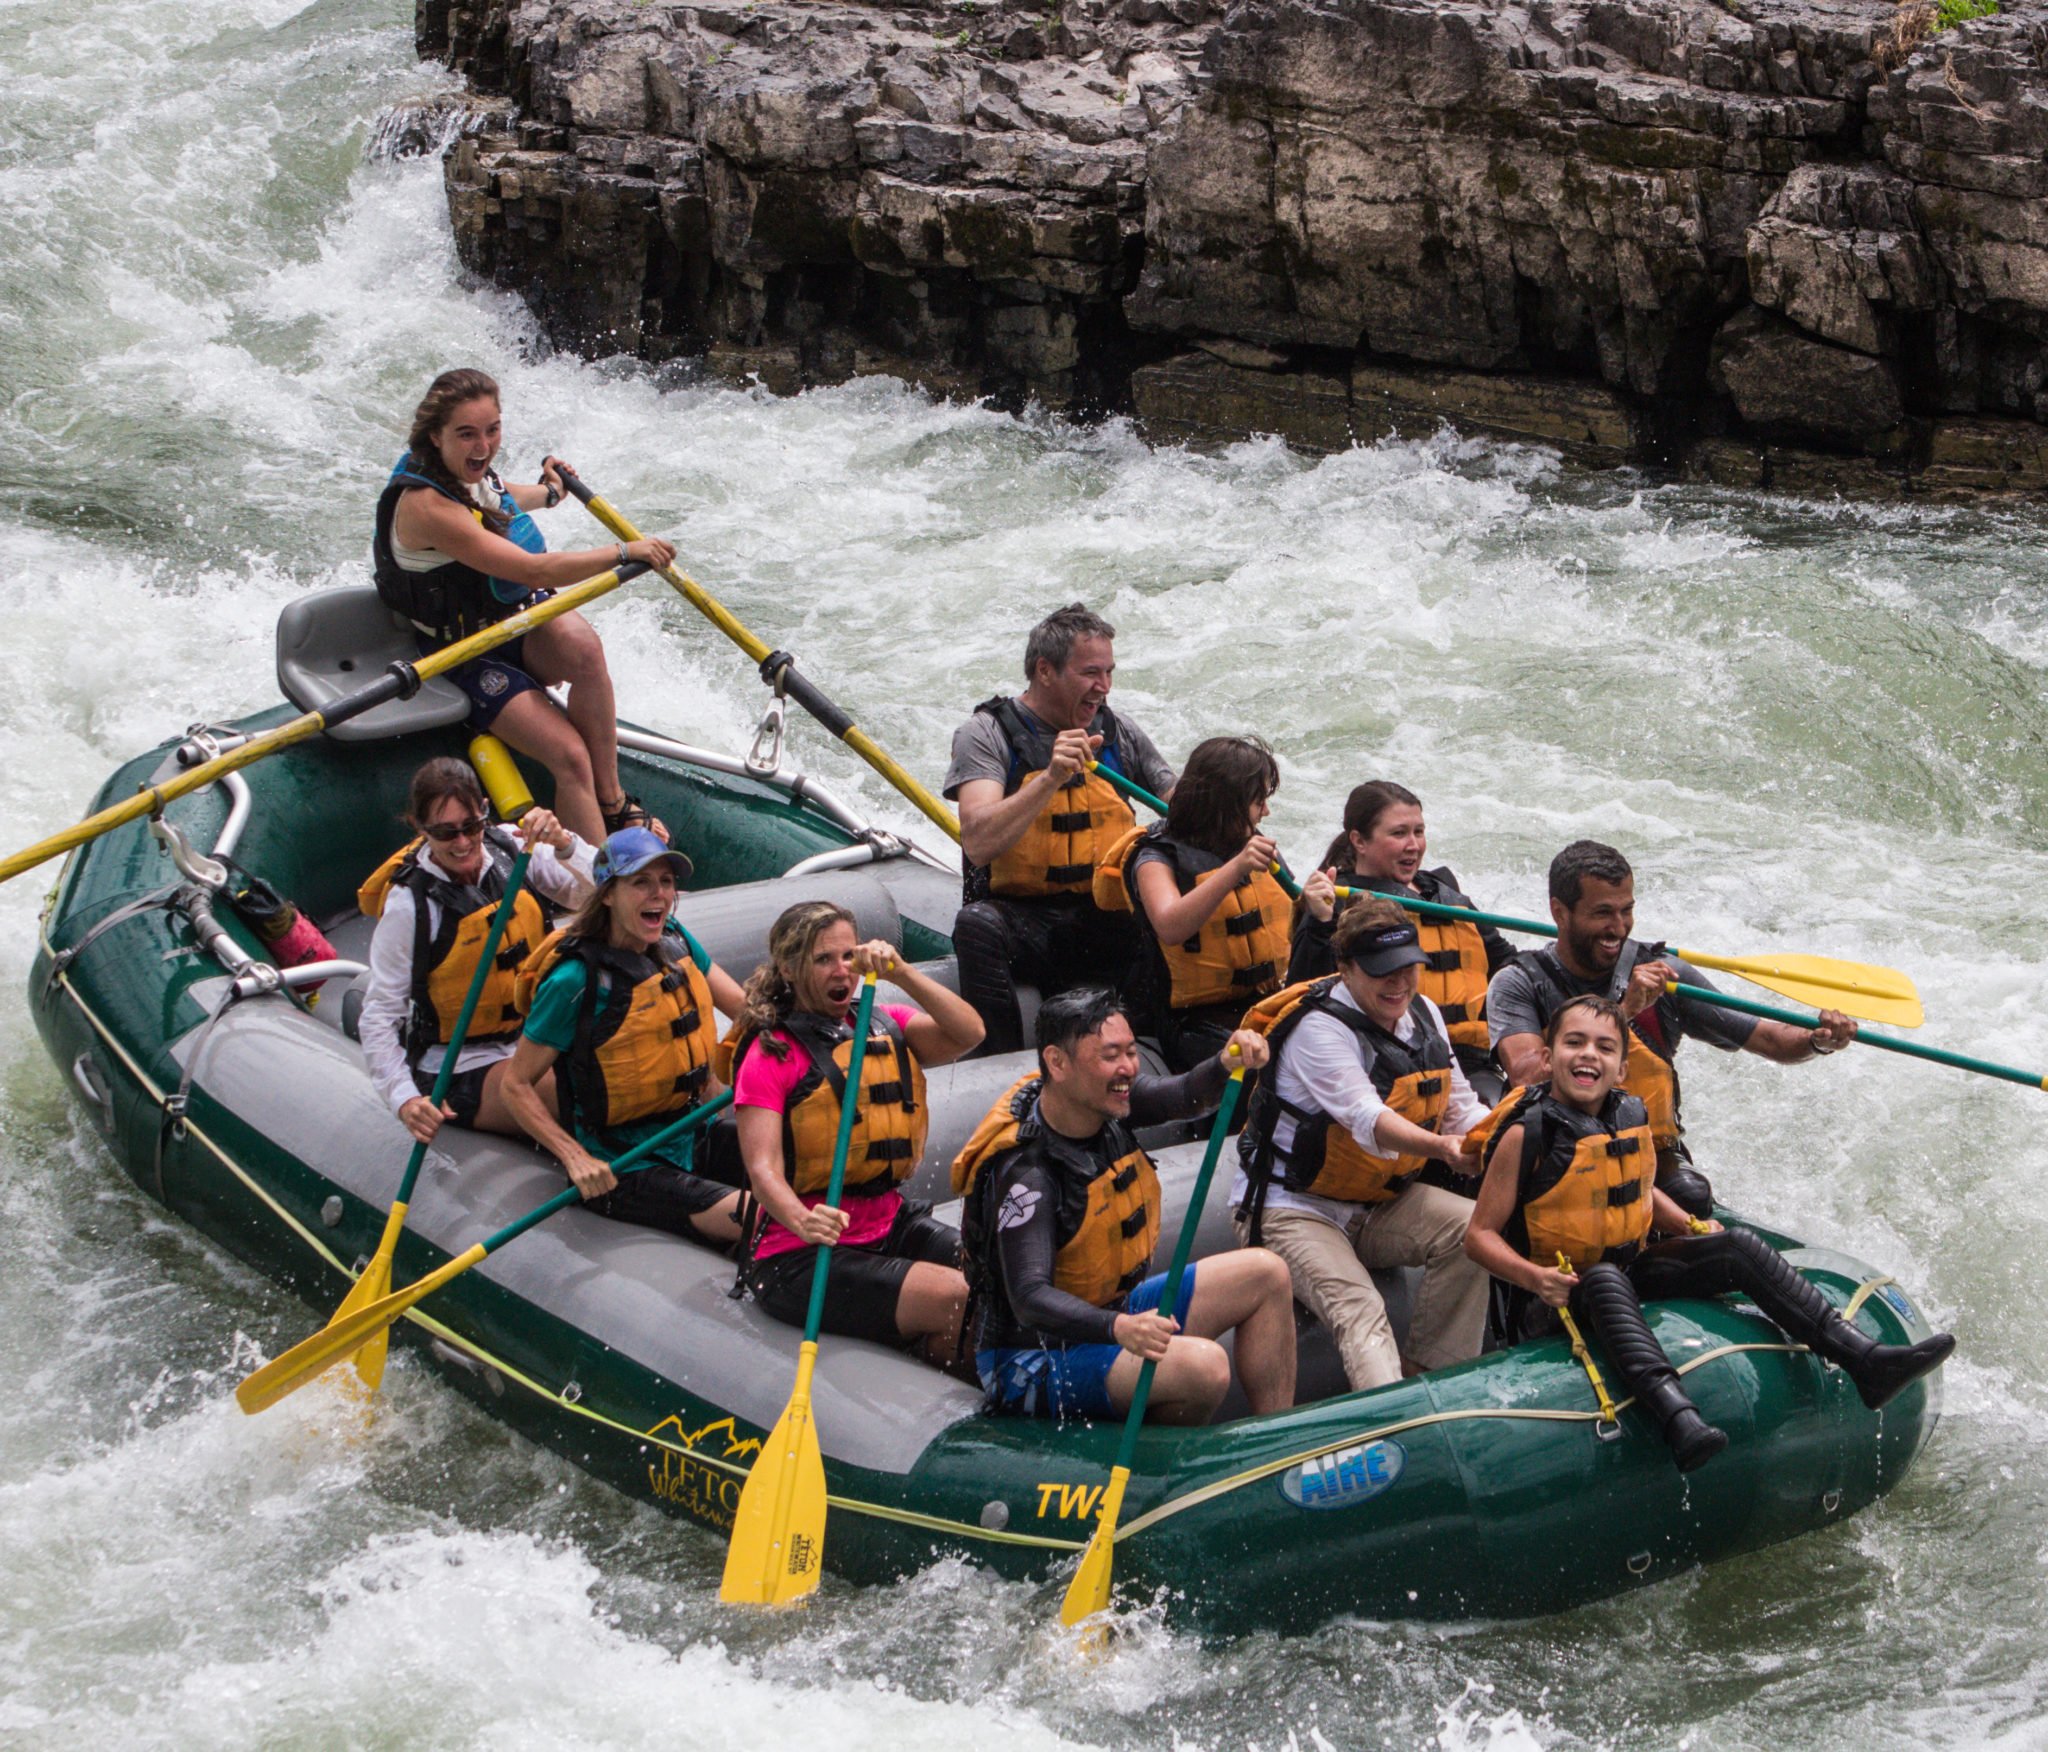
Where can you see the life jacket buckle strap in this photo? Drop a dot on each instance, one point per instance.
(1254, 976)
(1069, 873)
(1244, 924)
(1073, 821)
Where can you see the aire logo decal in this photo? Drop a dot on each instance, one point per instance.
(1351, 1475)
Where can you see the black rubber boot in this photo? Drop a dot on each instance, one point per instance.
(1881, 1371)
(1606, 1302)
(1686, 1187)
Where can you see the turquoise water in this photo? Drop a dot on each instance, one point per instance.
(1812, 726)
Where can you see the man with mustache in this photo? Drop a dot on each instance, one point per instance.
(1035, 823)
(1593, 904)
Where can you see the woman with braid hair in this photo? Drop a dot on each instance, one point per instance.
(454, 551)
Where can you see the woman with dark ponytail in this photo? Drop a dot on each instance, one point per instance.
(1381, 851)
(454, 551)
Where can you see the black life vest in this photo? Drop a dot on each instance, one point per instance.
(453, 600)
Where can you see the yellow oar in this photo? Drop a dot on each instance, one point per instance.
(373, 1284)
(778, 1531)
(401, 681)
(343, 1337)
(1874, 994)
(1088, 1592)
(1579, 1350)
(778, 668)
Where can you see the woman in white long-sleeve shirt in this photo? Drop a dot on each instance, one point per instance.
(433, 903)
(1363, 1092)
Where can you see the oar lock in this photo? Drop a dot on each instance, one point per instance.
(765, 757)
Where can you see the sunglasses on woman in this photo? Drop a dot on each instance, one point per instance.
(442, 832)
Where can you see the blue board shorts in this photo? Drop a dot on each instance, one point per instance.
(492, 681)
(1063, 1381)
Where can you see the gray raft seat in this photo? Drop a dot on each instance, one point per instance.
(331, 642)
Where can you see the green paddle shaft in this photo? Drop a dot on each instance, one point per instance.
(634, 1158)
(467, 1014)
(1436, 909)
(1136, 793)
(1170, 1297)
(1886, 1042)
(862, 1018)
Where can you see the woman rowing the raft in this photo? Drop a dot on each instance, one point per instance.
(454, 552)
(619, 1013)
(433, 902)
(1202, 881)
(895, 1274)
(1381, 848)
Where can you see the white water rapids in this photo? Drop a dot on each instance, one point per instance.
(1813, 727)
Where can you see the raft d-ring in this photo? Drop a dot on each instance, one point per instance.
(1639, 1564)
(1608, 1429)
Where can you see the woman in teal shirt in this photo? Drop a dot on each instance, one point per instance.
(619, 1005)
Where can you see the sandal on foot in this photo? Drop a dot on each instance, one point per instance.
(631, 812)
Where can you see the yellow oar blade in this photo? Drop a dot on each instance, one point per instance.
(373, 1286)
(340, 1338)
(1088, 1592)
(778, 1534)
(1873, 994)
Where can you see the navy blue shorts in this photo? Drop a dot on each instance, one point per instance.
(1064, 1381)
(491, 681)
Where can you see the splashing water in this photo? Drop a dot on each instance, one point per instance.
(222, 287)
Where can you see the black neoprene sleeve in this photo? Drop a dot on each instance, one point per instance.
(1029, 1206)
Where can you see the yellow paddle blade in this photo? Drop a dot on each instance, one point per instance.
(1088, 1592)
(778, 1534)
(373, 1286)
(341, 1337)
(1873, 994)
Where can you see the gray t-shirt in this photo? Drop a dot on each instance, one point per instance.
(1516, 1004)
(980, 752)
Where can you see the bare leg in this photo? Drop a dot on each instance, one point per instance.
(569, 650)
(1251, 1291)
(931, 1307)
(494, 1113)
(535, 725)
(721, 1222)
(1187, 1387)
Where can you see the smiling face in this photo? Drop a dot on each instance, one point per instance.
(639, 905)
(1095, 1074)
(827, 982)
(463, 856)
(1590, 935)
(1069, 698)
(1586, 1058)
(1384, 997)
(468, 438)
(1392, 852)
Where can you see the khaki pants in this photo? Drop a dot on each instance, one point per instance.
(1331, 1267)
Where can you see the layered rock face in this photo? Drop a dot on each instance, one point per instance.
(1768, 240)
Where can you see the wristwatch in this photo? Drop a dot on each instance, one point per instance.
(554, 495)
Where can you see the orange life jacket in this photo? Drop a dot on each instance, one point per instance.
(1412, 1078)
(444, 958)
(1650, 1076)
(1111, 1248)
(1240, 952)
(1586, 1178)
(643, 1047)
(890, 1117)
(1071, 834)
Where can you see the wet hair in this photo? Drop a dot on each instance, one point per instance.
(770, 994)
(1583, 858)
(1068, 1019)
(1362, 812)
(444, 395)
(1052, 640)
(441, 778)
(1211, 805)
(1365, 917)
(1599, 1006)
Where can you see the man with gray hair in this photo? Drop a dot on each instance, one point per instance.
(1035, 822)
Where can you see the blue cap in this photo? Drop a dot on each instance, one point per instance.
(634, 848)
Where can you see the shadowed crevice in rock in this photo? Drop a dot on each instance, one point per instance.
(1729, 238)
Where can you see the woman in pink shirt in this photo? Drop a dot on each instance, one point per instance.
(896, 1277)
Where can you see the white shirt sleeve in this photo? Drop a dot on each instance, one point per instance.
(1322, 1062)
(389, 999)
(1465, 1109)
(566, 878)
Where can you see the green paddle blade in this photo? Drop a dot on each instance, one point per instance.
(778, 1533)
(340, 1338)
(1088, 1592)
(1860, 989)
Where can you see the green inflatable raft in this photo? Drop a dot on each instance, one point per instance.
(240, 1101)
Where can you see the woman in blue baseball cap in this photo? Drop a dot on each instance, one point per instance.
(619, 1006)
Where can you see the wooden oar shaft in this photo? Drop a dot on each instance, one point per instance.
(396, 683)
(778, 668)
(1883, 1042)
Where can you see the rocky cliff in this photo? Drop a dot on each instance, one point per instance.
(1799, 242)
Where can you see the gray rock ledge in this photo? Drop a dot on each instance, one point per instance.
(1766, 242)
